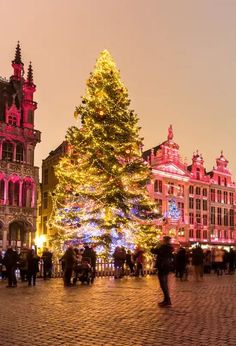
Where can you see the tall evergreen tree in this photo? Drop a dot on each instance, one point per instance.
(101, 195)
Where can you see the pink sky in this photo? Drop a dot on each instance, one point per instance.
(177, 59)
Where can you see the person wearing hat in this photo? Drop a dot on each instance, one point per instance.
(164, 262)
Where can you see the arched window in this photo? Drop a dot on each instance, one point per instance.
(19, 152)
(7, 151)
(26, 194)
(13, 193)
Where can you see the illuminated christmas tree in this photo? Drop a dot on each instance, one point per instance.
(101, 196)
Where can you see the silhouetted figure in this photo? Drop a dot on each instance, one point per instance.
(232, 258)
(10, 261)
(119, 260)
(181, 262)
(197, 262)
(33, 266)
(139, 260)
(129, 261)
(164, 261)
(47, 264)
(69, 261)
(23, 263)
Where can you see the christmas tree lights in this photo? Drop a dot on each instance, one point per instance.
(101, 196)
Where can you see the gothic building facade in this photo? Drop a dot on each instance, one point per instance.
(18, 176)
(194, 205)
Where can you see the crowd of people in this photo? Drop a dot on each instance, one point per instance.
(123, 259)
(79, 263)
(27, 261)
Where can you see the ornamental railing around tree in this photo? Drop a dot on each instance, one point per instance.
(103, 268)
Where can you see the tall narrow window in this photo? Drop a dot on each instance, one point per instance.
(213, 195)
(226, 217)
(213, 215)
(191, 203)
(7, 151)
(158, 186)
(45, 220)
(231, 217)
(225, 197)
(219, 216)
(198, 204)
(191, 190)
(45, 200)
(19, 152)
(45, 176)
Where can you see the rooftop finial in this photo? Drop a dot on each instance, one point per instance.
(170, 133)
(30, 73)
(17, 59)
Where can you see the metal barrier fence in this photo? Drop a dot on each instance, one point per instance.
(103, 268)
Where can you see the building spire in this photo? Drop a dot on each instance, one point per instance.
(30, 74)
(17, 59)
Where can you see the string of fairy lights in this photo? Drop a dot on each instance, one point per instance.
(94, 181)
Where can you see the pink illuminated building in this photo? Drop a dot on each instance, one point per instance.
(194, 205)
(18, 138)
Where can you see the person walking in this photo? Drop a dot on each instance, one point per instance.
(232, 258)
(219, 261)
(69, 262)
(10, 261)
(181, 262)
(119, 260)
(164, 260)
(139, 259)
(197, 262)
(47, 264)
(33, 266)
(129, 262)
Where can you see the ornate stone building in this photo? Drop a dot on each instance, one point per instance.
(18, 138)
(49, 181)
(194, 205)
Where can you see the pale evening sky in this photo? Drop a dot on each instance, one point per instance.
(177, 59)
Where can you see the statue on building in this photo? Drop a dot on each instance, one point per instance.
(170, 133)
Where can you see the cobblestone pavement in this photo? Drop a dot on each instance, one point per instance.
(119, 312)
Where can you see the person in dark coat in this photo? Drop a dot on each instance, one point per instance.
(33, 266)
(119, 260)
(90, 253)
(47, 264)
(10, 261)
(232, 258)
(129, 261)
(69, 262)
(181, 262)
(197, 262)
(164, 261)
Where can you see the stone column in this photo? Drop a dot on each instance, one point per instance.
(33, 195)
(4, 237)
(14, 152)
(5, 191)
(20, 193)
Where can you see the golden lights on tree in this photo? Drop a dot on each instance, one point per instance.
(101, 195)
